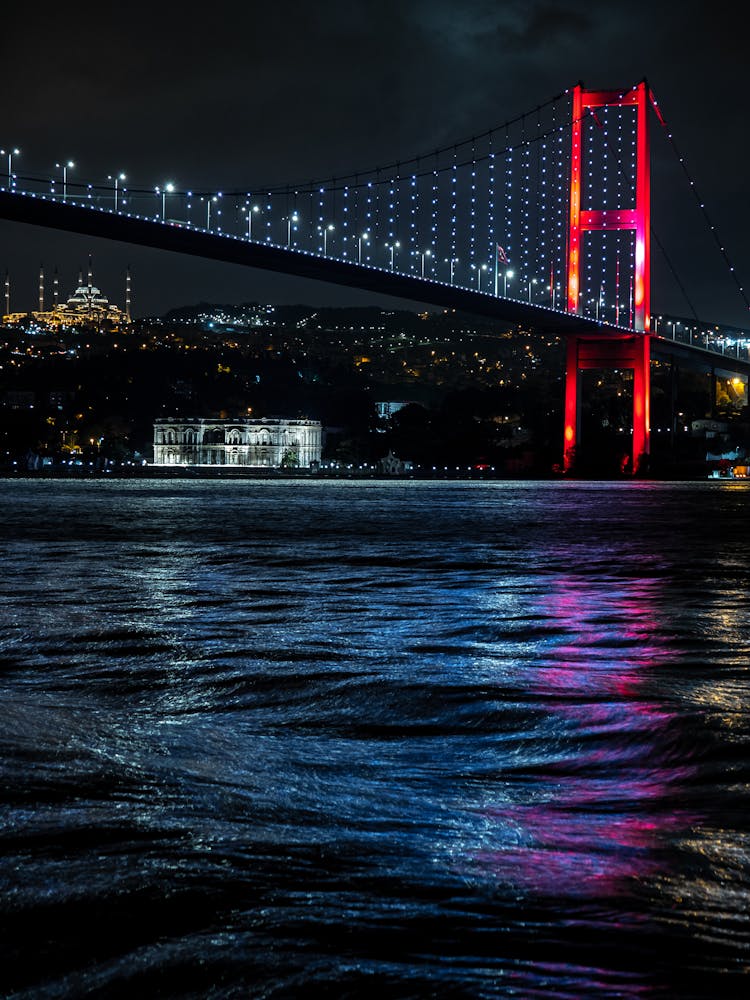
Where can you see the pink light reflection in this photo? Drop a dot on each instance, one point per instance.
(603, 796)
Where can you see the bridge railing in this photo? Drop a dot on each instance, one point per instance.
(486, 216)
(732, 344)
(273, 220)
(240, 217)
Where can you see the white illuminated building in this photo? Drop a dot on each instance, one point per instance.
(272, 442)
(87, 307)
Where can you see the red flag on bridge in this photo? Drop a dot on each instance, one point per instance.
(501, 258)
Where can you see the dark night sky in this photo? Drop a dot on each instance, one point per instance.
(242, 95)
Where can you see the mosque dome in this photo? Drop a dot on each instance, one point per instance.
(87, 298)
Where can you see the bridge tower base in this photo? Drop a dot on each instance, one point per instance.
(626, 351)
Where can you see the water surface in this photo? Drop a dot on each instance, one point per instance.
(410, 739)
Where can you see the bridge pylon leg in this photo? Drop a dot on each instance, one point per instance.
(572, 412)
(641, 401)
(628, 351)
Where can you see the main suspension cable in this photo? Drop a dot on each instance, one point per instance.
(701, 203)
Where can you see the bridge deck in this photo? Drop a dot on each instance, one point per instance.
(176, 238)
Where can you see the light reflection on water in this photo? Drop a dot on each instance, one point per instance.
(586, 825)
(314, 738)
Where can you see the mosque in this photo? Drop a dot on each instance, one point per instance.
(86, 308)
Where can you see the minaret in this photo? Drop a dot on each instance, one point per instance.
(55, 287)
(41, 288)
(7, 291)
(127, 294)
(91, 274)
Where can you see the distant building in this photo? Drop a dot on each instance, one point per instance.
(708, 427)
(272, 442)
(18, 399)
(392, 465)
(86, 307)
(388, 408)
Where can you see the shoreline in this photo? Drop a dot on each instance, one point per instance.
(149, 473)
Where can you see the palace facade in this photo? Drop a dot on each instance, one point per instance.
(269, 443)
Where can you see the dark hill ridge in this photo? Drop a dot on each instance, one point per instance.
(332, 317)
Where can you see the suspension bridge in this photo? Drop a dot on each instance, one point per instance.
(543, 221)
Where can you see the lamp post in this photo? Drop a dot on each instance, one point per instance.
(64, 168)
(600, 302)
(116, 178)
(292, 218)
(393, 247)
(169, 187)
(326, 230)
(11, 153)
(532, 281)
(479, 274)
(423, 254)
(210, 198)
(507, 276)
(452, 261)
(365, 237)
(251, 209)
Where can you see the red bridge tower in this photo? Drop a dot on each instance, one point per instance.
(614, 350)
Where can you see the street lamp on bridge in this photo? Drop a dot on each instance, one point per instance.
(423, 254)
(600, 302)
(532, 281)
(507, 276)
(251, 210)
(116, 178)
(479, 268)
(452, 261)
(10, 154)
(210, 199)
(325, 230)
(393, 247)
(64, 167)
(365, 237)
(169, 187)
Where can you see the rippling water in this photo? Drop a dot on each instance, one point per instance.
(339, 739)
